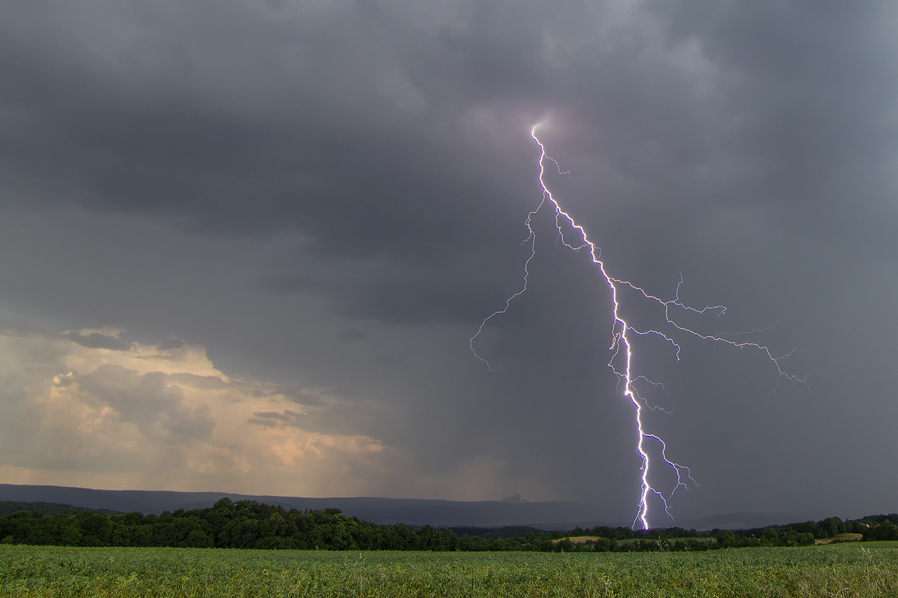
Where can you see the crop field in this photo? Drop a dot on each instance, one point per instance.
(27, 571)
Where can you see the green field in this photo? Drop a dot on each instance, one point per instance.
(843, 570)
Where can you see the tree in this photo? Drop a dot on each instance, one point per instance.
(832, 526)
(885, 531)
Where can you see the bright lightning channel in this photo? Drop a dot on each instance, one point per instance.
(620, 339)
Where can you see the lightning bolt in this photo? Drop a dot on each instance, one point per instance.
(621, 347)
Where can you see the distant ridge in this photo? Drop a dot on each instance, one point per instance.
(413, 512)
(741, 521)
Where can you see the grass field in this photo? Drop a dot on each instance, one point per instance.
(843, 570)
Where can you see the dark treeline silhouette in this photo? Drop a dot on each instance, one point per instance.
(249, 524)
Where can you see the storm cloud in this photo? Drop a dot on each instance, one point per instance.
(325, 199)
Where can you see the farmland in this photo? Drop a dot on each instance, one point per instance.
(846, 570)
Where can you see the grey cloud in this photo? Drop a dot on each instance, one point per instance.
(272, 418)
(410, 293)
(95, 340)
(353, 334)
(171, 343)
(204, 382)
(148, 401)
(808, 94)
(301, 396)
(327, 181)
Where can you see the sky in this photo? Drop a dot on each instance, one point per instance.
(244, 247)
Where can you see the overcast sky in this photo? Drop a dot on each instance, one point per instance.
(244, 245)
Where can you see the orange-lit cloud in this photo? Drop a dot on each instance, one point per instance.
(146, 416)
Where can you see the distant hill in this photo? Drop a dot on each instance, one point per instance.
(45, 508)
(740, 521)
(413, 512)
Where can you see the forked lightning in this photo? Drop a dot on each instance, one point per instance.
(621, 348)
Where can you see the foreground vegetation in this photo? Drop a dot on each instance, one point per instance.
(843, 570)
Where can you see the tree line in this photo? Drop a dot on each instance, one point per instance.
(249, 524)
